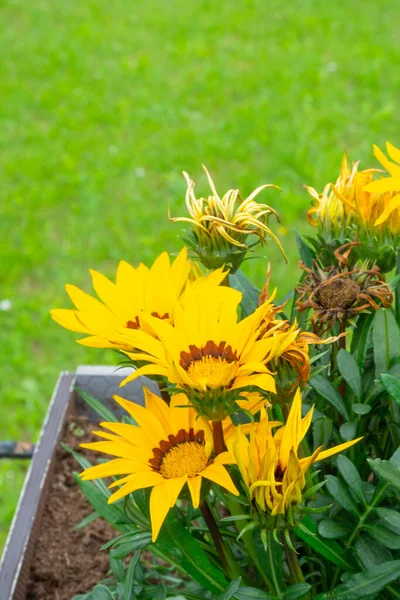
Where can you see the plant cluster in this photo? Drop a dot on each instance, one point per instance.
(268, 466)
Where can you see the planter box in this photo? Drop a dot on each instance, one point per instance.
(101, 382)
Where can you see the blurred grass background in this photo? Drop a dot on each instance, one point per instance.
(103, 104)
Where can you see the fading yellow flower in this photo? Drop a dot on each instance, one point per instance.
(388, 188)
(138, 291)
(222, 226)
(208, 354)
(270, 464)
(168, 448)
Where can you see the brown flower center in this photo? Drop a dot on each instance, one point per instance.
(338, 293)
(182, 454)
(210, 350)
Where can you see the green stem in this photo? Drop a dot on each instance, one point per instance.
(293, 563)
(397, 290)
(236, 509)
(228, 561)
(359, 526)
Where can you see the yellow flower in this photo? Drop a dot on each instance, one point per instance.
(170, 447)
(388, 188)
(222, 226)
(269, 463)
(208, 353)
(142, 291)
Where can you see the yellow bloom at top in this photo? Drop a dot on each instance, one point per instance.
(270, 464)
(389, 187)
(357, 199)
(167, 449)
(137, 291)
(222, 226)
(208, 353)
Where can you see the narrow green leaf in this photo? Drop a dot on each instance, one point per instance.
(349, 370)
(326, 390)
(386, 470)
(390, 517)
(334, 552)
(370, 552)
(307, 254)
(130, 577)
(251, 294)
(328, 528)
(384, 536)
(341, 495)
(360, 339)
(86, 521)
(97, 405)
(250, 593)
(322, 432)
(230, 590)
(351, 476)
(392, 386)
(174, 539)
(85, 464)
(117, 568)
(362, 585)
(297, 590)
(126, 548)
(98, 500)
(101, 592)
(395, 459)
(381, 342)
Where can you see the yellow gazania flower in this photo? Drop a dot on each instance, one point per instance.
(138, 291)
(388, 187)
(222, 226)
(209, 354)
(170, 447)
(269, 463)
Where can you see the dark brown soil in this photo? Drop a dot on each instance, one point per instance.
(66, 562)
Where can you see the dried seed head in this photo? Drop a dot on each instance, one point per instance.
(340, 292)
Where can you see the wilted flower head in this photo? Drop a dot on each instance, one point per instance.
(340, 292)
(222, 227)
(270, 465)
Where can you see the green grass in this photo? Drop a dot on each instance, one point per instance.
(103, 104)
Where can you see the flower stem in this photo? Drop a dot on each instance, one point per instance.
(293, 563)
(397, 291)
(224, 552)
(218, 437)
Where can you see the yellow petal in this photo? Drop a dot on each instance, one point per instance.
(158, 508)
(69, 319)
(390, 184)
(194, 484)
(218, 474)
(118, 466)
(392, 205)
(331, 451)
(291, 431)
(393, 152)
(387, 164)
(144, 418)
(137, 481)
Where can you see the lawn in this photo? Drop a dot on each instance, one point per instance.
(103, 104)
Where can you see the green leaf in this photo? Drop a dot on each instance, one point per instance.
(174, 539)
(370, 552)
(351, 476)
(98, 501)
(334, 552)
(386, 470)
(361, 333)
(390, 517)
(361, 409)
(86, 521)
(251, 593)
(361, 585)
(230, 590)
(326, 390)
(297, 590)
(348, 431)
(322, 432)
(136, 541)
(307, 254)
(96, 405)
(392, 386)
(349, 370)
(83, 597)
(251, 294)
(386, 339)
(117, 568)
(85, 464)
(340, 493)
(101, 592)
(328, 528)
(130, 577)
(384, 536)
